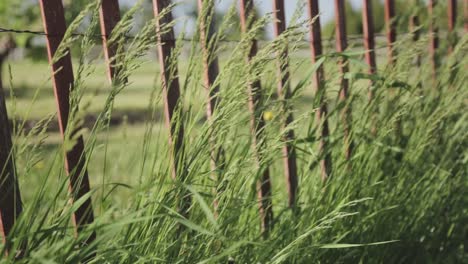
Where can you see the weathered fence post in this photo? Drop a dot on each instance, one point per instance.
(284, 93)
(413, 26)
(171, 93)
(210, 73)
(109, 14)
(452, 20)
(62, 77)
(434, 44)
(390, 26)
(465, 15)
(10, 199)
(341, 45)
(369, 40)
(257, 124)
(319, 90)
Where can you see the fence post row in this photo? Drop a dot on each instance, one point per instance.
(319, 90)
(210, 73)
(109, 16)
(10, 199)
(171, 94)
(284, 93)
(341, 45)
(62, 77)
(257, 123)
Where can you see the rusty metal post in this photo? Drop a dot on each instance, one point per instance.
(54, 24)
(284, 93)
(369, 40)
(171, 94)
(465, 15)
(10, 199)
(452, 20)
(413, 26)
(318, 87)
(210, 73)
(341, 45)
(390, 26)
(257, 124)
(109, 15)
(434, 43)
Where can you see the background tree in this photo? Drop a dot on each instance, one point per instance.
(404, 8)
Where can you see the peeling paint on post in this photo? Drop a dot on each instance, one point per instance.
(109, 15)
(54, 25)
(257, 123)
(284, 93)
(341, 45)
(210, 73)
(321, 113)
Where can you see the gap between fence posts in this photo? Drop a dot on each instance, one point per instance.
(62, 78)
(210, 73)
(171, 96)
(284, 94)
(319, 91)
(341, 45)
(257, 123)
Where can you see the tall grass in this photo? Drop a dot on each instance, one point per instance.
(401, 198)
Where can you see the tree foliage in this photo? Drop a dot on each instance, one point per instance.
(404, 9)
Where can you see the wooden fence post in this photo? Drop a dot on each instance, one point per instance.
(284, 93)
(433, 30)
(452, 21)
(171, 94)
(341, 45)
(465, 15)
(390, 26)
(257, 124)
(210, 73)
(62, 77)
(319, 90)
(369, 40)
(109, 15)
(413, 26)
(10, 199)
